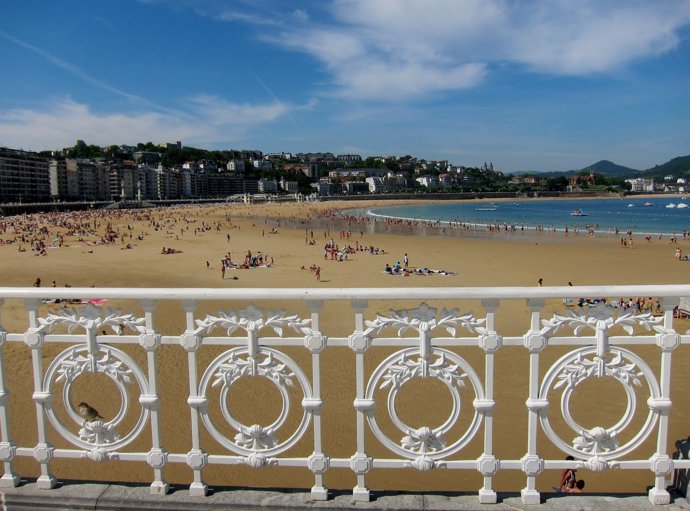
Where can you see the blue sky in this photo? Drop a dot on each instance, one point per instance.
(528, 85)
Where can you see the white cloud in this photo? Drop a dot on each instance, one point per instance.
(394, 81)
(300, 15)
(389, 50)
(253, 19)
(218, 112)
(63, 122)
(394, 49)
(576, 38)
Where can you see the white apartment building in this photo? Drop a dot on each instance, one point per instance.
(641, 185)
(289, 186)
(235, 165)
(375, 184)
(268, 186)
(262, 164)
(430, 182)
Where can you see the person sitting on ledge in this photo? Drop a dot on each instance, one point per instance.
(579, 486)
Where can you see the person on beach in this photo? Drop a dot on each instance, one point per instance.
(318, 274)
(406, 260)
(579, 486)
(222, 269)
(679, 254)
(568, 477)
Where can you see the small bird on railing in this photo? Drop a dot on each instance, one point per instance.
(90, 414)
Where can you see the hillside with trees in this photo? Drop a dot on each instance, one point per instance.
(677, 167)
(608, 168)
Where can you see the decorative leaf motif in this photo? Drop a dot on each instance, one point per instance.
(405, 369)
(250, 319)
(89, 318)
(596, 440)
(601, 319)
(232, 370)
(256, 438)
(98, 433)
(423, 319)
(423, 440)
(76, 364)
(235, 368)
(582, 368)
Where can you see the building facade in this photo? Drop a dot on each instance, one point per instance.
(24, 176)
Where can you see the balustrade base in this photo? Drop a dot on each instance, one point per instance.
(198, 490)
(487, 496)
(9, 481)
(319, 493)
(658, 497)
(159, 488)
(46, 482)
(530, 497)
(360, 494)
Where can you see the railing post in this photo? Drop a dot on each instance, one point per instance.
(316, 342)
(532, 464)
(157, 456)
(196, 458)
(43, 452)
(487, 464)
(360, 463)
(8, 450)
(661, 464)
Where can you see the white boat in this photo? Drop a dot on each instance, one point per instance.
(631, 205)
(486, 209)
(578, 212)
(648, 204)
(682, 205)
(670, 205)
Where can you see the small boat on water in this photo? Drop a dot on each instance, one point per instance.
(648, 204)
(486, 209)
(631, 205)
(578, 212)
(670, 205)
(682, 205)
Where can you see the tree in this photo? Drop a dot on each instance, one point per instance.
(557, 184)
(82, 150)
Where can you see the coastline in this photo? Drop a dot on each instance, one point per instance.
(464, 222)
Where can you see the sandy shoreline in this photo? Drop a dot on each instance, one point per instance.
(283, 233)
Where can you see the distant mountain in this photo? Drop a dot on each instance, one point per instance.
(604, 167)
(677, 167)
(610, 169)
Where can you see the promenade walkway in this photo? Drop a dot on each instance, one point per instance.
(102, 497)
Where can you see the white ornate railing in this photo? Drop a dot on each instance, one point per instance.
(595, 352)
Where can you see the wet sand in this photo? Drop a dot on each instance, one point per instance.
(282, 232)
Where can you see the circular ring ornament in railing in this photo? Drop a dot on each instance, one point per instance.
(75, 361)
(406, 365)
(279, 369)
(576, 367)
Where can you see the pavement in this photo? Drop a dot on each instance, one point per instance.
(75, 495)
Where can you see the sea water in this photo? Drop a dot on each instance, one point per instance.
(641, 216)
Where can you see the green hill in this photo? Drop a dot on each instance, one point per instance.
(610, 169)
(604, 167)
(677, 167)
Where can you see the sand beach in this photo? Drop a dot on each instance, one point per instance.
(280, 245)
